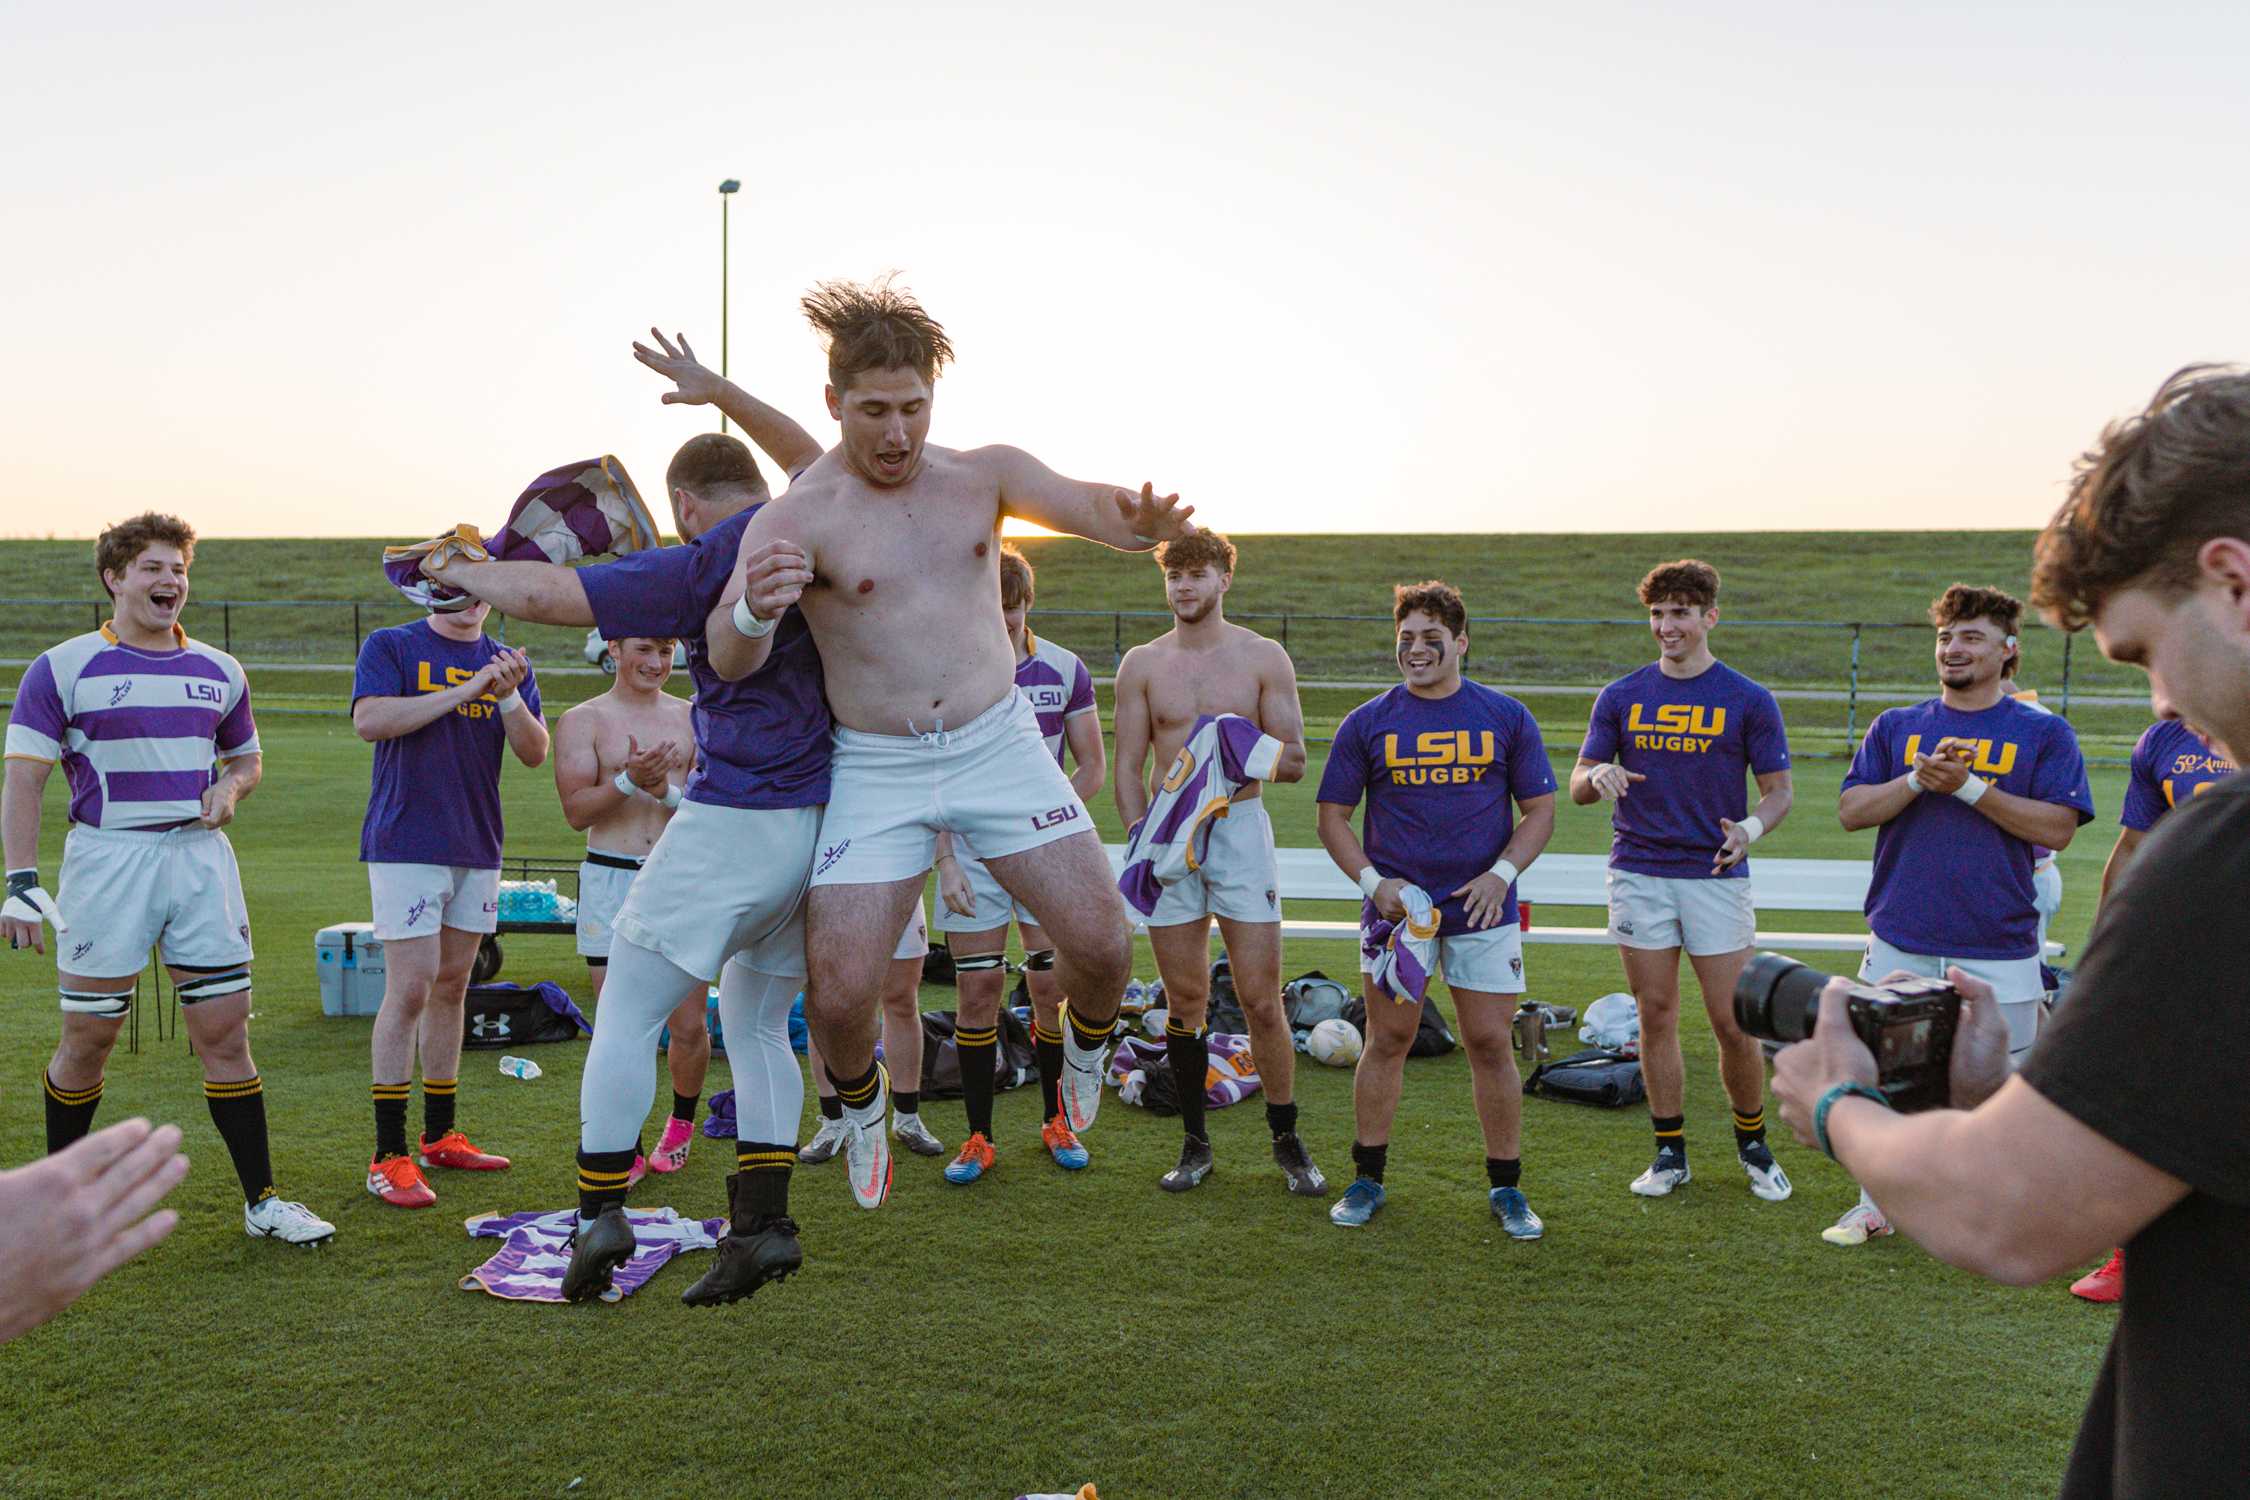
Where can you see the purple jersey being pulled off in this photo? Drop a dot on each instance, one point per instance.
(434, 798)
(1059, 687)
(1948, 881)
(136, 731)
(2170, 765)
(1441, 777)
(761, 742)
(1693, 738)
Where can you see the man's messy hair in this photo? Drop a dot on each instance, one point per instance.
(878, 326)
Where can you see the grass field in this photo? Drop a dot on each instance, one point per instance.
(1039, 1329)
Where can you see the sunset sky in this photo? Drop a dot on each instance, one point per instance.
(317, 270)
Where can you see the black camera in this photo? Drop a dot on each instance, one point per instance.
(1908, 1024)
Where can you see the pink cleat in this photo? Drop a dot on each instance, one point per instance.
(671, 1152)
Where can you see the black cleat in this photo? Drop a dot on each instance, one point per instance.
(1195, 1165)
(1297, 1165)
(767, 1252)
(596, 1251)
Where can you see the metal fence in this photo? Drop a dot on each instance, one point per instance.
(1833, 675)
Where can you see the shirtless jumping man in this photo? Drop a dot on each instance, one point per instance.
(620, 762)
(1203, 665)
(890, 546)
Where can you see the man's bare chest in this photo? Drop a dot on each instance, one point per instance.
(1184, 688)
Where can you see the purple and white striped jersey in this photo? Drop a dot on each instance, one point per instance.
(1058, 685)
(136, 731)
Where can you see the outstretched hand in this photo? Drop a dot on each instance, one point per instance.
(1732, 847)
(70, 1219)
(1153, 517)
(697, 386)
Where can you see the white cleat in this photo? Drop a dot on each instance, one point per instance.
(1861, 1222)
(867, 1146)
(1767, 1179)
(290, 1223)
(1664, 1174)
(916, 1136)
(1081, 1079)
(826, 1142)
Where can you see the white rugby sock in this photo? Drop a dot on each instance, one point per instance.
(769, 1087)
(614, 1098)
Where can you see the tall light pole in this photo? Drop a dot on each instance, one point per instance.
(727, 190)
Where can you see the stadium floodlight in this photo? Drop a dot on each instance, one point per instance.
(728, 187)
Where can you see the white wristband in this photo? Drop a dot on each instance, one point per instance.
(1752, 830)
(671, 795)
(1369, 881)
(512, 702)
(1506, 870)
(748, 624)
(625, 784)
(1972, 789)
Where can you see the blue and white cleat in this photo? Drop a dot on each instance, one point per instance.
(1515, 1215)
(1358, 1204)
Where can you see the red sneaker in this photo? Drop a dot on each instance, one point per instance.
(2104, 1285)
(453, 1150)
(400, 1183)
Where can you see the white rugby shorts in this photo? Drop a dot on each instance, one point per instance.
(414, 901)
(991, 782)
(125, 890)
(1238, 879)
(914, 942)
(994, 906)
(723, 881)
(2046, 897)
(603, 880)
(1703, 916)
(1490, 961)
(2016, 984)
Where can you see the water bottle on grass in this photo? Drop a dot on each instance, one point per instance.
(519, 1067)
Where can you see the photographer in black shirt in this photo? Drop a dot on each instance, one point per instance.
(2128, 1123)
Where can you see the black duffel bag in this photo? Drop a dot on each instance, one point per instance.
(1596, 1076)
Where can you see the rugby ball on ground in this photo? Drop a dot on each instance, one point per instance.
(1334, 1042)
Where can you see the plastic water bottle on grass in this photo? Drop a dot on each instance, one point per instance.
(519, 1067)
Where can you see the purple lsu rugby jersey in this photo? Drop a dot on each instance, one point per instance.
(434, 795)
(1948, 881)
(2170, 764)
(762, 742)
(1058, 686)
(135, 731)
(1693, 738)
(1441, 777)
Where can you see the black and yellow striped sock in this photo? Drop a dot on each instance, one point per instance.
(437, 1106)
(1086, 1038)
(601, 1179)
(979, 1048)
(763, 1192)
(1048, 1045)
(1671, 1134)
(1190, 1058)
(70, 1112)
(857, 1094)
(1750, 1129)
(238, 1108)
(390, 1118)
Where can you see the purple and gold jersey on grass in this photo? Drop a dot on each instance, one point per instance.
(1693, 738)
(1059, 687)
(762, 742)
(1948, 881)
(135, 731)
(434, 797)
(1441, 778)
(2170, 765)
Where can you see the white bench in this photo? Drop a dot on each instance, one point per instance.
(1779, 885)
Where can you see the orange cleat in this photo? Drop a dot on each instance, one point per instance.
(2104, 1285)
(453, 1150)
(1069, 1153)
(400, 1183)
(976, 1159)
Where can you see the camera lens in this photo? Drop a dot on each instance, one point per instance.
(1777, 998)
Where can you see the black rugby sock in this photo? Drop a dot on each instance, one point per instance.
(239, 1110)
(1190, 1059)
(437, 1107)
(601, 1179)
(70, 1112)
(1750, 1129)
(831, 1107)
(763, 1192)
(683, 1106)
(1504, 1171)
(979, 1048)
(1671, 1134)
(858, 1093)
(1370, 1160)
(1281, 1119)
(1048, 1046)
(906, 1101)
(390, 1119)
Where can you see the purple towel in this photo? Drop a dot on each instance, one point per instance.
(529, 1267)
